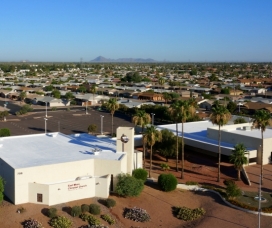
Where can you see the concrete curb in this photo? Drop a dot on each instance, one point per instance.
(197, 188)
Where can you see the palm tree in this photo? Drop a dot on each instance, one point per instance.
(261, 121)
(152, 135)
(112, 106)
(161, 82)
(93, 90)
(220, 116)
(238, 158)
(166, 97)
(186, 111)
(175, 114)
(142, 118)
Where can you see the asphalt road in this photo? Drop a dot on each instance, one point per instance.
(67, 122)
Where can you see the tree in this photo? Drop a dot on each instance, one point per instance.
(261, 121)
(186, 111)
(69, 96)
(239, 120)
(166, 97)
(152, 135)
(92, 128)
(238, 158)
(231, 106)
(22, 96)
(161, 82)
(112, 106)
(82, 89)
(142, 118)
(4, 132)
(56, 93)
(4, 114)
(220, 116)
(166, 146)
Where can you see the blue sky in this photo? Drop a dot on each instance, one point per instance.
(165, 30)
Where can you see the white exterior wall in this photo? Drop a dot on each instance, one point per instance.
(49, 174)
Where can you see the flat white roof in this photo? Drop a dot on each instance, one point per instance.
(53, 148)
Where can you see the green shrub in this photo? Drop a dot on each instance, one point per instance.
(76, 211)
(32, 223)
(128, 185)
(191, 183)
(108, 219)
(25, 109)
(54, 109)
(2, 188)
(60, 222)
(164, 166)
(4, 132)
(233, 191)
(140, 174)
(110, 203)
(85, 208)
(228, 181)
(188, 214)
(94, 209)
(167, 182)
(90, 219)
(52, 212)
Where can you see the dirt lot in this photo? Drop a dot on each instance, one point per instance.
(157, 203)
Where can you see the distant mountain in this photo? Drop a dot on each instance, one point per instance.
(102, 59)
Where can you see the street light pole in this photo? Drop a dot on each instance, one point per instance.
(101, 124)
(259, 208)
(153, 114)
(59, 126)
(46, 109)
(86, 107)
(45, 125)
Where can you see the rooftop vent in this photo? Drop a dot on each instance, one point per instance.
(96, 151)
(247, 128)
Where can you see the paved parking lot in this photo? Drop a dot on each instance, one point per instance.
(67, 122)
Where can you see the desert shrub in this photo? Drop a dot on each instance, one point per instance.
(94, 209)
(76, 211)
(108, 219)
(32, 223)
(90, 219)
(85, 208)
(52, 212)
(219, 190)
(68, 109)
(164, 166)
(60, 222)
(136, 214)
(110, 203)
(140, 174)
(228, 181)
(243, 205)
(21, 210)
(167, 182)
(54, 109)
(128, 185)
(188, 214)
(233, 191)
(191, 183)
(4, 132)
(2, 188)
(25, 109)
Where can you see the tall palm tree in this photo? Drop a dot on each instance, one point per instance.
(142, 118)
(238, 158)
(220, 116)
(261, 121)
(152, 135)
(93, 90)
(161, 82)
(175, 114)
(112, 106)
(186, 110)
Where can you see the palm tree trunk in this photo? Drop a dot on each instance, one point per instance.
(239, 174)
(219, 154)
(111, 124)
(150, 166)
(144, 153)
(182, 153)
(262, 161)
(177, 148)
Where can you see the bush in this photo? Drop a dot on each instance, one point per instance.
(110, 203)
(4, 132)
(167, 182)
(52, 212)
(25, 109)
(164, 166)
(191, 183)
(108, 219)
(32, 223)
(233, 191)
(128, 185)
(140, 174)
(90, 219)
(85, 208)
(228, 181)
(188, 214)
(54, 109)
(60, 222)
(136, 214)
(76, 211)
(94, 209)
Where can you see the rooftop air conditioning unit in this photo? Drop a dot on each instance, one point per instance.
(246, 128)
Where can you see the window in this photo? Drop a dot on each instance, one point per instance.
(39, 197)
